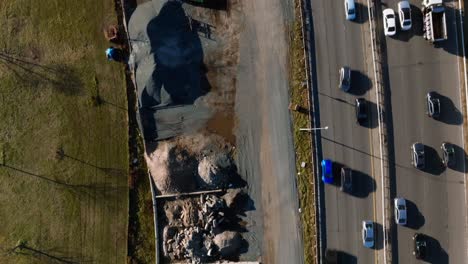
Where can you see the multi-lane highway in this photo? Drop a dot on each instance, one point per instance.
(411, 68)
(436, 196)
(338, 43)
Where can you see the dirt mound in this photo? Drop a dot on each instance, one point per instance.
(173, 168)
(228, 243)
(213, 170)
(188, 162)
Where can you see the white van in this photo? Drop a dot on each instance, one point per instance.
(350, 9)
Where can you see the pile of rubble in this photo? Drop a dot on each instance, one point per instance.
(196, 228)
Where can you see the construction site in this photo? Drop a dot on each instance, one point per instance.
(184, 57)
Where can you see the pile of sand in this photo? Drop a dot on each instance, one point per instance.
(228, 243)
(173, 168)
(213, 170)
(178, 165)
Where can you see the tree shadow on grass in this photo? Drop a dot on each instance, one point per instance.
(52, 255)
(62, 78)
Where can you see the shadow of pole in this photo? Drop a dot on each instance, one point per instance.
(23, 249)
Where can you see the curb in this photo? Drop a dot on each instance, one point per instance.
(309, 49)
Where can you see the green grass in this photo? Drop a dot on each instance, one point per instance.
(141, 248)
(305, 179)
(51, 65)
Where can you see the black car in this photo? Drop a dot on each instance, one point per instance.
(420, 246)
(433, 105)
(346, 179)
(448, 154)
(361, 110)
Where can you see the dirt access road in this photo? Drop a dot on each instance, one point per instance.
(264, 136)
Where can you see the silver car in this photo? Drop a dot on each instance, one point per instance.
(417, 155)
(368, 234)
(433, 105)
(400, 211)
(345, 79)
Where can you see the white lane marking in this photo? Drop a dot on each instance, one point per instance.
(380, 133)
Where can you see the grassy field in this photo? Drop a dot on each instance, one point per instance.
(70, 207)
(305, 179)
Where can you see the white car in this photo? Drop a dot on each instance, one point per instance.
(400, 211)
(404, 12)
(350, 9)
(389, 22)
(368, 234)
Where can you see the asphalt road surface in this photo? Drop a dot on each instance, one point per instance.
(436, 195)
(344, 43)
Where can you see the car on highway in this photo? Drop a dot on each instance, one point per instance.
(389, 22)
(361, 110)
(404, 12)
(433, 105)
(420, 246)
(345, 79)
(368, 234)
(350, 9)
(327, 171)
(417, 155)
(448, 154)
(346, 179)
(400, 211)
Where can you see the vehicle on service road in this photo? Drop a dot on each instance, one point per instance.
(448, 154)
(420, 246)
(400, 211)
(404, 12)
(361, 110)
(368, 234)
(389, 22)
(350, 9)
(327, 171)
(417, 155)
(345, 79)
(433, 105)
(434, 21)
(346, 180)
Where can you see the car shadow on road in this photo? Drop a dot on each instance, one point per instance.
(360, 83)
(379, 239)
(460, 159)
(415, 219)
(362, 183)
(337, 256)
(417, 21)
(435, 253)
(449, 113)
(373, 119)
(362, 16)
(433, 162)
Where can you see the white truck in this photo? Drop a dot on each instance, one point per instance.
(434, 23)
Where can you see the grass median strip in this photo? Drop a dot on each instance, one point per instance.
(305, 180)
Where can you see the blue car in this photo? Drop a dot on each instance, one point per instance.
(327, 174)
